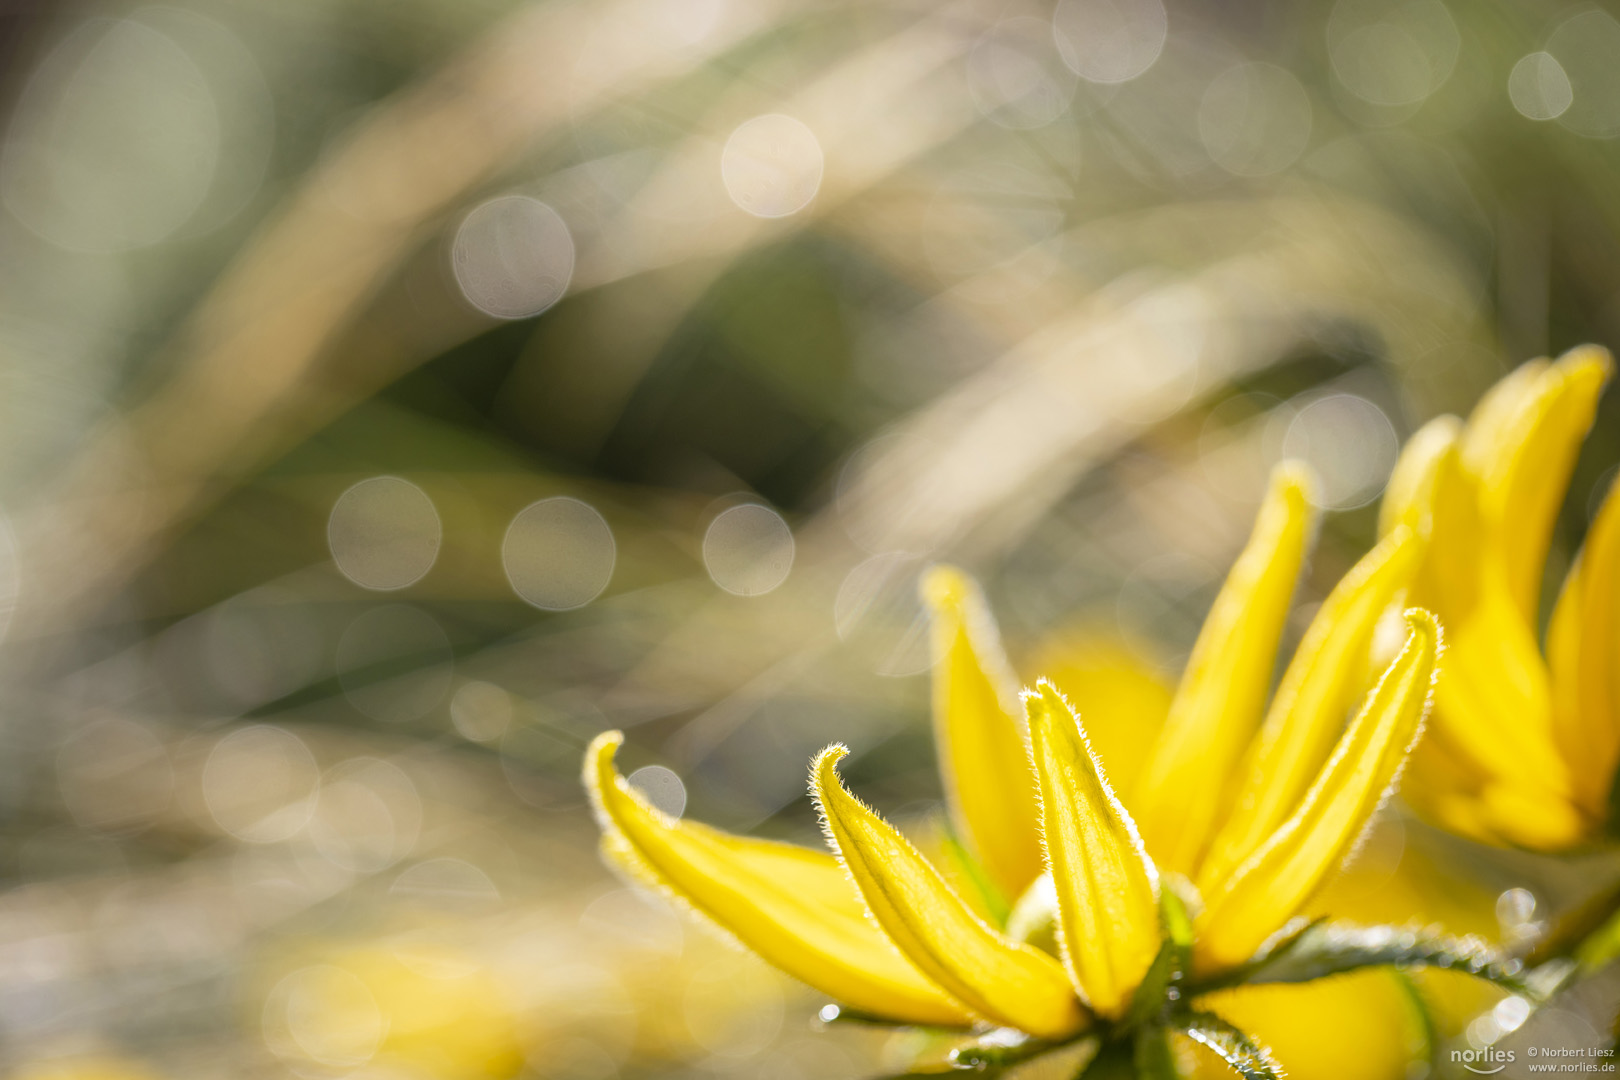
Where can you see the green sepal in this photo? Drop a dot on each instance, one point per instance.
(1157, 990)
(1154, 1057)
(1114, 1060)
(993, 1054)
(997, 1050)
(834, 1013)
(1242, 1054)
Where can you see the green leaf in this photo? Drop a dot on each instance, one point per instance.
(1242, 1054)
(1169, 966)
(1324, 949)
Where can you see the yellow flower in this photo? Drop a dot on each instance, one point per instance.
(1522, 750)
(84, 1068)
(433, 1012)
(1249, 808)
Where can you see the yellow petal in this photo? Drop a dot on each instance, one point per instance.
(1442, 789)
(793, 906)
(1493, 415)
(1223, 691)
(1114, 682)
(982, 756)
(1529, 818)
(1521, 447)
(1583, 649)
(1409, 495)
(1107, 888)
(1600, 627)
(1311, 844)
(1564, 674)
(1493, 705)
(1494, 700)
(1307, 715)
(997, 978)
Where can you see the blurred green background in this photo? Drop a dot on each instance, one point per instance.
(397, 394)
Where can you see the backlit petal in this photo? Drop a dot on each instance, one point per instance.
(1493, 711)
(1409, 495)
(1521, 447)
(1308, 712)
(1494, 701)
(1218, 704)
(982, 755)
(1117, 684)
(1433, 495)
(997, 978)
(1583, 648)
(793, 906)
(1107, 888)
(1311, 844)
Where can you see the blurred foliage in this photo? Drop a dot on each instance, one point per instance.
(1054, 328)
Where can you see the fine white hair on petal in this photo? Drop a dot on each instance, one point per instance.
(1109, 793)
(838, 852)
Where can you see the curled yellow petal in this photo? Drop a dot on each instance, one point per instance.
(793, 906)
(1107, 888)
(999, 979)
(1268, 888)
(1307, 714)
(1218, 704)
(982, 756)
(1521, 447)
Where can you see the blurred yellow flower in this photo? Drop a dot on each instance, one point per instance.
(84, 1068)
(1250, 822)
(1359, 1026)
(1523, 749)
(435, 1012)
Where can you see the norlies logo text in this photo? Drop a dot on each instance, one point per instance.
(1486, 1062)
